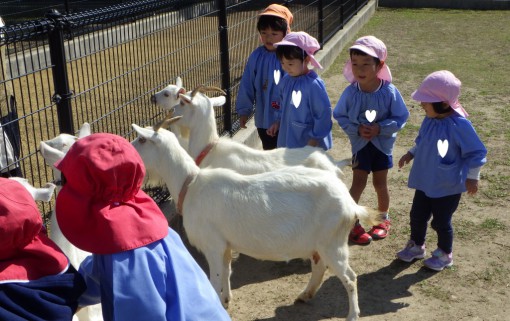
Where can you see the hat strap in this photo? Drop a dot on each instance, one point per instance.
(184, 190)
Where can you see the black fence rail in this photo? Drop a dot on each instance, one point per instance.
(101, 66)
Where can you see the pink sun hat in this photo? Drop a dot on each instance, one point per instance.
(304, 41)
(372, 47)
(441, 86)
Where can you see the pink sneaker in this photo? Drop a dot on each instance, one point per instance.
(439, 260)
(411, 252)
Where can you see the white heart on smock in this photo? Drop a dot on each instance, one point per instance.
(442, 147)
(296, 98)
(277, 76)
(370, 115)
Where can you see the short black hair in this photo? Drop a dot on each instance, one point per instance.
(357, 52)
(290, 52)
(441, 107)
(273, 22)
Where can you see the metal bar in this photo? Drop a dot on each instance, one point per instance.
(224, 62)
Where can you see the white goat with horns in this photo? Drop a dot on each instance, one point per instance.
(294, 212)
(209, 150)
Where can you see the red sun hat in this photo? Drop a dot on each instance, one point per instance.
(26, 253)
(101, 208)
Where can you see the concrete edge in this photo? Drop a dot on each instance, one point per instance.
(326, 56)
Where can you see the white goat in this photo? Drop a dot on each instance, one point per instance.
(38, 193)
(53, 150)
(209, 150)
(294, 212)
(167, 99)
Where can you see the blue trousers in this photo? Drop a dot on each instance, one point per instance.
(441, 210)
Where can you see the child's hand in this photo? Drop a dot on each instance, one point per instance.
(369, 131)
(242, 121)
(313, 142)
(405, 159)
(472, 186)
(273, 130)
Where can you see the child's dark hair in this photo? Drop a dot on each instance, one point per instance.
(290, 52)
(441, 107)
(357, 52)
(273, 22)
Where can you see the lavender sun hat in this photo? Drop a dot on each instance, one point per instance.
(441, 86)
(372, 47)
(304, 41)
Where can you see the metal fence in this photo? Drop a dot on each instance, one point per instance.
(101, 66)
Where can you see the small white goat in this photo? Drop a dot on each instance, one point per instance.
(295, 212)
(167, 99)
(53, 150)
(38, 193)
(209, 150)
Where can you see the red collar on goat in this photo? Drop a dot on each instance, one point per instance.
(204, 152)
(184, 190)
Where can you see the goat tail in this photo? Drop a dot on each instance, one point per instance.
(369, 216)
(342, 163)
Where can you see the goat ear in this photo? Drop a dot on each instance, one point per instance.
(178, 82)
(50, 154)
(143, 132)
(84, 130)
(185, 98)
(218, 101)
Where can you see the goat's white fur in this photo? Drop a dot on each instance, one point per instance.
(167, 99)
(53, 150)
(38, 193)
(198, 115)
(290, 213)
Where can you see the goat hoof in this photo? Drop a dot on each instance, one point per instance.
(304, 297)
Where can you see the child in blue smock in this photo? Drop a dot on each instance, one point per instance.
(306, 110)
(140, 269)
(447, 157)
(371, 111)
(262, 75)
(37, 282)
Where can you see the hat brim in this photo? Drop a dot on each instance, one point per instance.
(365, 49)
(424, 97)
(313, 61)
(384, 73)
(103, 228)
(40, 258)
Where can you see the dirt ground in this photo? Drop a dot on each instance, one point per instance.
(477, 286)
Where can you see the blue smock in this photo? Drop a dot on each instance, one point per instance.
(159, 281)
(259, 87)
(439, 176)
(306, 112)
(391, 115)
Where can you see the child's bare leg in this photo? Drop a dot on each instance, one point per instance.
(359, 182)
(380, 181)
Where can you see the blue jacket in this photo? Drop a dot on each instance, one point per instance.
(391, 115)
(306, 112)
(439, 176)
(259, 87)
(159, 281)
(51, 298)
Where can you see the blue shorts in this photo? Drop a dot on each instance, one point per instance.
(370, 159)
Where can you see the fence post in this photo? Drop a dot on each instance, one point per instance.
(321, 22)
(63, 94)
(225, 62)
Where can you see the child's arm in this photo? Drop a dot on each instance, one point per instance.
(398, 115)
(320, 108)
(246, 95)
(341, 115)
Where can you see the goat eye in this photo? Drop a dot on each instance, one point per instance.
(167, 95)
(142, 140)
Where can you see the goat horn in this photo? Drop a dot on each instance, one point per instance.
(203, 89)
(168, 116)
(166, 122)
